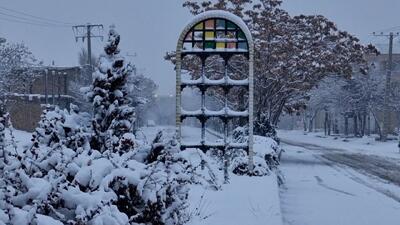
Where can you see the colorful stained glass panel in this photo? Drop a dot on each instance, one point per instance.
(198, 46)
(220, 45)
(187, 46)
(209, 45)
(220, 24)
(241, 35)
(215, 34)
(243, 45)
(231, 45)
(221, 34)
(230, 26)
(188, 37)
(210, 24)
(199, 26)
(198, 35)
(210, 35)
(231, 35)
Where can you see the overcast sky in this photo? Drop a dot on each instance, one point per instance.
(150, 28)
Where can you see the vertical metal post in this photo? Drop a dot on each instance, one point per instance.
(386, 116)
(89, 45)
(226, 103)
(226, 156)
(178, 95)
(46, 73)
(65, 83)
(59, 85)
(53, 74)
(251, 107)
(203, 103)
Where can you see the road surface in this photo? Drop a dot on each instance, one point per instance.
(331, 187)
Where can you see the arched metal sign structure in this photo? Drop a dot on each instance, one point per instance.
(215, 33)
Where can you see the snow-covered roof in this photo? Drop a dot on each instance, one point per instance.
(216, 14)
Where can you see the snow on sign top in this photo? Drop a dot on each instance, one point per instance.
(216, 30)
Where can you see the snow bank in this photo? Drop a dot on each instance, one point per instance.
(365, 145)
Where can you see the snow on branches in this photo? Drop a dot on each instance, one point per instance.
(114, 116)
(80, 170)
(292, 53)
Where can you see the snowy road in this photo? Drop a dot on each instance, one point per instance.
(319, 191)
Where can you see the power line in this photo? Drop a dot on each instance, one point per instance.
(30, 23)
(87, 32)
(25, 20)
(388, 29)
(36, 17)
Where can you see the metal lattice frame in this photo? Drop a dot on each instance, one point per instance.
(205, 46)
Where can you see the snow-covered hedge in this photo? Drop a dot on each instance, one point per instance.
(266, 154)
(51, 183)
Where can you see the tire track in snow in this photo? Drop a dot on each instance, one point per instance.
(322, 184)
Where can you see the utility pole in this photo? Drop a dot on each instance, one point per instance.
(386, 110)
(88, 32)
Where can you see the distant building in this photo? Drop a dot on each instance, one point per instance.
(52, 85)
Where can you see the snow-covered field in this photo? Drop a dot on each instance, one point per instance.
(330, 181)
(365, 145)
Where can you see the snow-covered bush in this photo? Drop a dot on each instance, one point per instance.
(266, 154)
(61, 180)
(3, 156)
(263, 126)
(33, 180)
(68, 176)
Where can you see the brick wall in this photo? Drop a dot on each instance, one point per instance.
(26, 109)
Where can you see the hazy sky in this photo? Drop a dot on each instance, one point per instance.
(150, 28)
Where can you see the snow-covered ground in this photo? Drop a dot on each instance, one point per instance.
(318, 192)
(365, 145)
(22, 138)
(243, 201)
(331, 182)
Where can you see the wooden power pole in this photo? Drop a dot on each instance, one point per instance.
(386, 110)
(87, 32)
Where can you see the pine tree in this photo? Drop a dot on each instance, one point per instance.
(114, 116)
